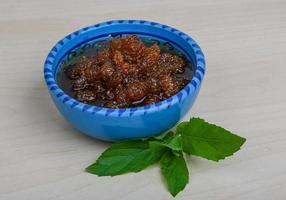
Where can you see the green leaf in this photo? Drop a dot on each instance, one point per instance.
(173, 142)
(208, 140)
(175, 172)
(126, 156)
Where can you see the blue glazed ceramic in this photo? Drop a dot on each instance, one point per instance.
(119, 124)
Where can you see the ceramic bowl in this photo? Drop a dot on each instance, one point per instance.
(125, 123)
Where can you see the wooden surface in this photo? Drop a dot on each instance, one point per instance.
(42, 157)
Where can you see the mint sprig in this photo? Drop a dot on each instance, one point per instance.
(195, 137)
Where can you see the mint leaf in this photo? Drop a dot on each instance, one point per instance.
(175, 172)
(209, 141)
(126, 156)
(173, 142)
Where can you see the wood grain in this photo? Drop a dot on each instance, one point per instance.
(43, 157)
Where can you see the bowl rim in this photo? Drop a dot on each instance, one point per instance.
(184, 93)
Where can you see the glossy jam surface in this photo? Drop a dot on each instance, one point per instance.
(124, 72)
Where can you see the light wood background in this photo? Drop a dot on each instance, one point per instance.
(42, 157)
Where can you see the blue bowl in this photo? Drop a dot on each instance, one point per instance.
(119, 124)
